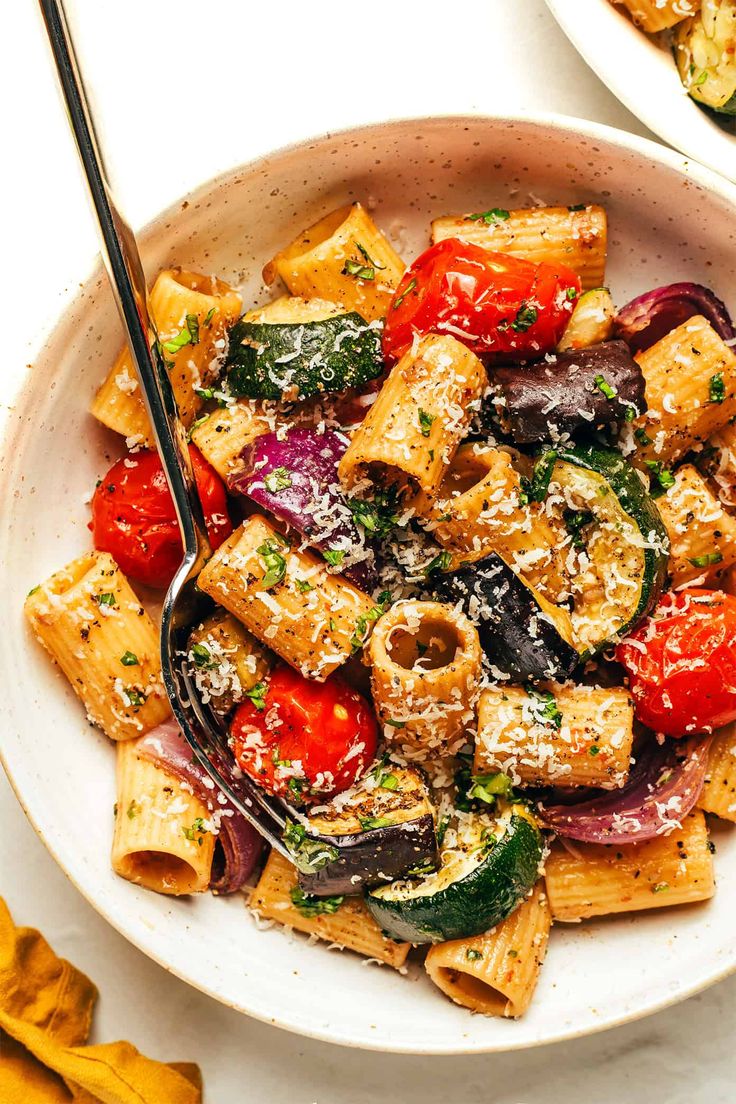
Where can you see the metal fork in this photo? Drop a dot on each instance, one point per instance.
(184, 605)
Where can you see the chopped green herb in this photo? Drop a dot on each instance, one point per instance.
(296, 786)
(440, 563)
(196, 425)
(513, 953)
(442, 826)
(717, 388)
(472, 955)
(202, 657)
(395, 724)
(106, 599)
(257, 694)
(367, 823)
(135, 698)
(488, 787)
(642, 436)
(364, 269)
(377, 516)
(189, 335)
(571, 294)
(660, 887)
(303, 585)
(277, 480)
(630, 413)
(425, 422)
(701, 79)
(129, 659)
(207, 320)
(384, 777)
(196, 831)
(274, 561)
(663, 478)
(593, 749)
(577, 207)
(536, 488)
(490, 218)
(133, 810)
(526, 316)
(706, 560)
(400, 298)
(543, 707)
(575, 522)
(604, 387)
(309, 905)
(33, 590)
(360, 634)
(309, 855)
(334, 556)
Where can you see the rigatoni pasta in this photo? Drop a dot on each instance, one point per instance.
(343, 258)
(288, 599)
(191, 314)
(702, 533)
(163, 837)
(496, 973)
(412, 431)
(560, 735)
(574, 236)
(590, 879)
(222, 434)
(94, 626)
(718, 795)
(657, 15)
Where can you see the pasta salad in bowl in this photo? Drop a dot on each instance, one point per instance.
(470, 509)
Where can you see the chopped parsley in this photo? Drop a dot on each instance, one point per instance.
(334, 556)
(605, 387)
(660, 887)
(363, 269)
(189, 335)
(442, 826)
(490, 218)
(207, 321)
(309, 855)
(661, 476)
(134, 698)
(526, 316)
(106, 599)
(384, 777)
(536, 488)
(488, 787)
(472, 955)
(277, 480)
(133, 810)
(440, 563)
(377, 516)
(395, 724)
(544, 708)
(274, 561)
(303, 585)
(642, 436)
(571, 294)
(202, 657)
(257, 694)
(575, 522)
(360, 633)
(717, 388)
(701, 79)
(129, 659)
(309, 905)
(593, 749)
(196, 831)
(425, 422)
(400, 298)
(706, 560)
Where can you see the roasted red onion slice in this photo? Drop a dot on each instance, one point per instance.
(238, 846)
(646, 319)
(294, 476)
(663, 786)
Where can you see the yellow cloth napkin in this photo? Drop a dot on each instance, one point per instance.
(45, 1016)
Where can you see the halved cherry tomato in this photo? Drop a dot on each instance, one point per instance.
(493, 303)
(310, 740)
(681, 663)
(133, 516)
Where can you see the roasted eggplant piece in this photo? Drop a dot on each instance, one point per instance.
(523, 634)
(383, 827)
(582, 389)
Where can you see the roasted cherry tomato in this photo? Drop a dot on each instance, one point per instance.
(681, 663)
(308, 740)
(133, 516)
(493, 303)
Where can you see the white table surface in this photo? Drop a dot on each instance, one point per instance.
(186, 90)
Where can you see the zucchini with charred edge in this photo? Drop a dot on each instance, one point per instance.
(581, 389)
(624, 539)
(523, 634)
(382, 828)
(704, 48)
(475, 888)
(294, 360)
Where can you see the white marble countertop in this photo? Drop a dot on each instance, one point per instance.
(187, 90)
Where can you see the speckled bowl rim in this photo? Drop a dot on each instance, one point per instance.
(614, 137)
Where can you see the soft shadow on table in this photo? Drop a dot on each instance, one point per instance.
(173, 1021)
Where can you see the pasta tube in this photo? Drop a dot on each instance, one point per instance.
(345, 259)
(690, 379)
(226, 660)
(574, 736)
(90, 621)
(162, 839)
(702, 534)
(422, 412)
(288, 599)
(478, 509)
(223, 434)
(598, 879)
(574, 237)
(191, 314)
(277, 897)
(718, 795)
(657, 15)
(425, 662)
(496, 973)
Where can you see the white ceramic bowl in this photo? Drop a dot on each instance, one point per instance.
(640, 71)
(668, 222)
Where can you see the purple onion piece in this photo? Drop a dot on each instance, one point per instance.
(662, 788)
(646, 319)
(294, 476)
(238, 845)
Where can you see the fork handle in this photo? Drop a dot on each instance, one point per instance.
(125, 270)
